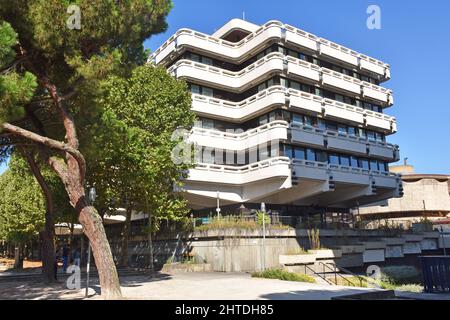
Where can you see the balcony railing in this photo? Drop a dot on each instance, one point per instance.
(278, 63)
(239, 51)
(278, 95)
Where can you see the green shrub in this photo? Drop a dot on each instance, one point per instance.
(235, 222)
(398, 275)
(262, 217)
(283, 275)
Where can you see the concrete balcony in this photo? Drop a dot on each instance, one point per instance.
(272, 31)
(304, 169)
(296, 101)
(377, 93)
(233, 175)
(341, 82)
(272, 132)
(228, 80)
(240, 111)
(302, 69)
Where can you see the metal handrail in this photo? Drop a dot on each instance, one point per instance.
(336, 274)
(317, 274)
(346, 271)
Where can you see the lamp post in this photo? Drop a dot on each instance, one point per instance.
(263, 210)
(91, 196)
(218, 205)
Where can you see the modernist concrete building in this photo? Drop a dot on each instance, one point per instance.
(425, 196)
(284, 117)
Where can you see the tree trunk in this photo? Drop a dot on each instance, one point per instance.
(18, 258)
(109, 279)
(72, 172)
(125, 239)
(48, 234)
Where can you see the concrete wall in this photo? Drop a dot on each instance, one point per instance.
(422, 195)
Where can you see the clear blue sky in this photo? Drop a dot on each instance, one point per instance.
(414, 40)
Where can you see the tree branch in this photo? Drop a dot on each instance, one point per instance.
(53, 144)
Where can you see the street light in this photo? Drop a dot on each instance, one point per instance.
(263, 209)
(218, 205)
(92, 195)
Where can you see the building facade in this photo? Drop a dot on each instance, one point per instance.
(426, 196)
(284, 117)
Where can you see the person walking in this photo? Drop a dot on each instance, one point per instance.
(76, 257)
(65, 257)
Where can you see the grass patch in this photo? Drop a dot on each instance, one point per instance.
(283, 275)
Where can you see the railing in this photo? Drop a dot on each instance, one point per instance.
(297, 93)
(224, 72)
(335, 272)
(244, 135)
(243, 169)
(283, 27)
(436, 274)
(277, 55)
(323, 277)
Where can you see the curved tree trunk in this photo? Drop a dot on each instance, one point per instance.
(48, 234)
(93, 227)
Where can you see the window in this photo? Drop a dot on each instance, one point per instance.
(310, 121)
(354, 162)
(295, 85)
(333, 159)
(207, 124)
(207, 92)
(297, 118)
(263, 120)
(207, 61)
(262, 87)
(364, 164)
(321, 124)
(195, 57)
(371, 135)
(288, 151)
(195, 89)
(342, 129)
(345, 161)
(352, 131)
(321, 156)
(379, 137)
(374, 165)
(310, 155)
(339, 97)
(332, 126)
(299, 153)
(301, 56)
(286, 116)
(272, 116)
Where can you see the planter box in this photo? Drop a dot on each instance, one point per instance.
(186, 267)
(297, 259)
(327, 254)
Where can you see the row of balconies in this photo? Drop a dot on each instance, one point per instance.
(277, 63)
(278, 96)
(256, 41)
(281, 131)
(283, 167)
